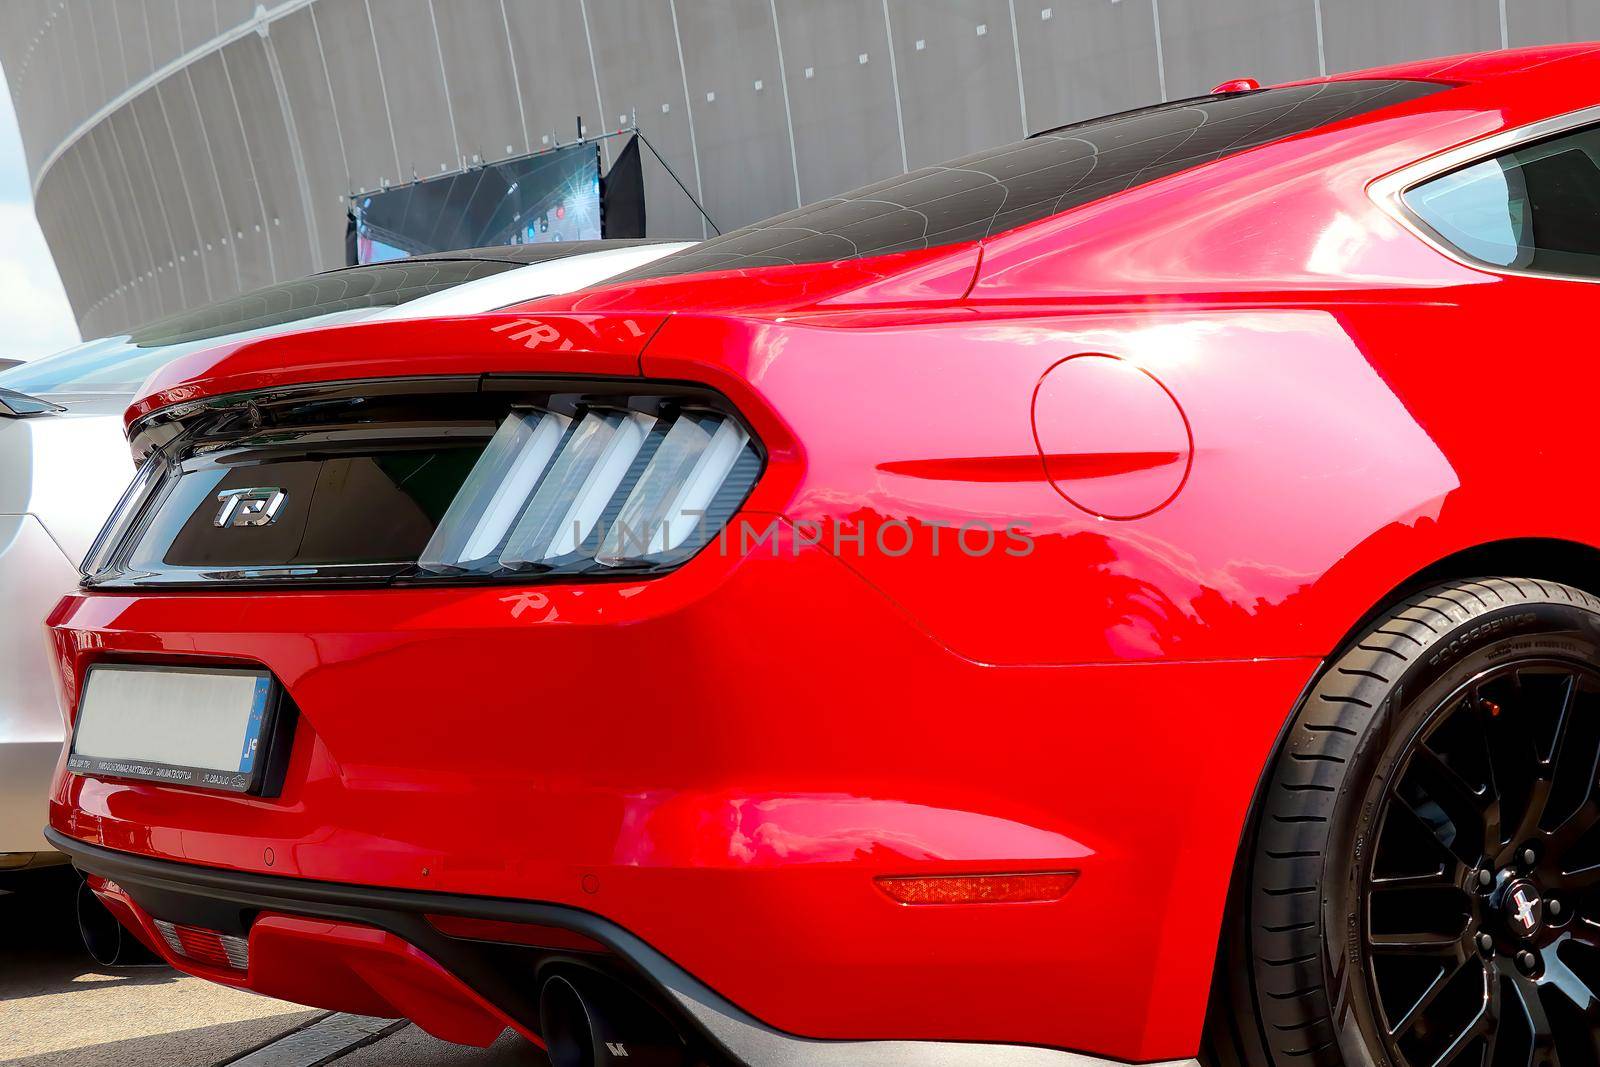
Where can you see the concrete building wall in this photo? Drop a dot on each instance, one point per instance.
(184, 150)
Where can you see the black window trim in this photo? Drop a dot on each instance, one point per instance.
(1389, 192)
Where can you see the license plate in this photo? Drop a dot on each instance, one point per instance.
(191, 726)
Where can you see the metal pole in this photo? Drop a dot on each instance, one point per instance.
(698, 206)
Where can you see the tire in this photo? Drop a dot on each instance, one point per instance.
(1391, 840)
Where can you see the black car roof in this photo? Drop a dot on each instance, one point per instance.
(1002, 188)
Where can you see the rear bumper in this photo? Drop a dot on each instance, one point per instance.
(470, 996)
(722, 762)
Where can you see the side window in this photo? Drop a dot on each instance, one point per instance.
(1536, 208)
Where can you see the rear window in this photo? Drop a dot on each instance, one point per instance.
(1535, 208)
(1002, 188)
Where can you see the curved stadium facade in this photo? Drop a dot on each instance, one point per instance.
(182, 151)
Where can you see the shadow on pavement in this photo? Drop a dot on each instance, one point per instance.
(200, 1047)
(59, 1007)
(413, 1048)
(40, 953)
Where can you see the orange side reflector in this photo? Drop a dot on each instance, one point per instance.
(1026, 888)
(512, 933)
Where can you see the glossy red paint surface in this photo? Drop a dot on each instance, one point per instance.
(744, 787)
(1114, 440)
(498, 343)
(128, 914)
(333, 965)
(368, 972)
(723, 760)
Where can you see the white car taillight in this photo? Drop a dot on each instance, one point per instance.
(426, 483)
(692, 464)
(497, 490)
(583, 479)
(619, 488)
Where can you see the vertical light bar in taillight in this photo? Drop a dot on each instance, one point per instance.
(581, 481)
(476, 523)
(670, 499)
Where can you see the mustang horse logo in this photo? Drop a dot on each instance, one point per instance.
(1528, 905)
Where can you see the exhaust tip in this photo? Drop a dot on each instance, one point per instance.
(104, 938)
(565, 1025)
(594, 1022)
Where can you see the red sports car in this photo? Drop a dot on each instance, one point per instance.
(1131, 592)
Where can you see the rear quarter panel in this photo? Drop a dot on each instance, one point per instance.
(1315, 485)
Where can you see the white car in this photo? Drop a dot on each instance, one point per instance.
(64, 462)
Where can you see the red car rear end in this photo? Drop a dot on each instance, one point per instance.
(1024, 513)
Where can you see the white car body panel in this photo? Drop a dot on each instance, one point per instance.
(526, 283)
(67, 471)
(34, 572)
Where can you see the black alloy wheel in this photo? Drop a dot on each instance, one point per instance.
(1482, 899)
(1422, 884)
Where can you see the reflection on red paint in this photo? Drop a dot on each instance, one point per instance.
(1029, 468)
(774, 830)
(725, 760)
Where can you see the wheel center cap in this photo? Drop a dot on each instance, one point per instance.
(1524, 907)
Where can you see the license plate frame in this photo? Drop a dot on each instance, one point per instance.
(263, 753)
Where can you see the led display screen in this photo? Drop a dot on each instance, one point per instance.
(551, 196)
